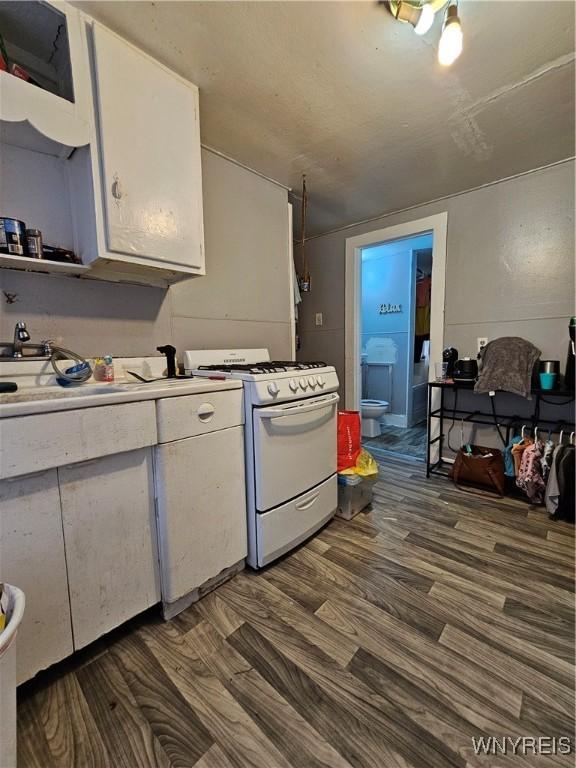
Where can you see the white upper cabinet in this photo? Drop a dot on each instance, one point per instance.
(149, 157)
(123, 133)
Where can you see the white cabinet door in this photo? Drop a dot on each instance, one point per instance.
(149, 136)
(110, 536)
(32, 558)
(201, 509)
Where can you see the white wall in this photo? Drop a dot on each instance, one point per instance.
(243, 300)
(509, 271)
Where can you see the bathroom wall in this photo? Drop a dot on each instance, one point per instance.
(243, 301)
(509, 271)
(386, 279)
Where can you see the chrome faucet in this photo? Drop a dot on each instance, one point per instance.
(21, 335)
(15, 350)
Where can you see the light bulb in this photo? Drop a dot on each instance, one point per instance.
(425, 21)
(450, 46)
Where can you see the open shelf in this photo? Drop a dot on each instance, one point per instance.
(44, 114)
(36, 39)
(41, 265)
(38, 120)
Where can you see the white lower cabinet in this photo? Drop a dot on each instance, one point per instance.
(201, 510)
(109, 532)
(32, 558)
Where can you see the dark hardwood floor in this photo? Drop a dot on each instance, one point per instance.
(386, 642)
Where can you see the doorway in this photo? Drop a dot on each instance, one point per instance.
(394, 330)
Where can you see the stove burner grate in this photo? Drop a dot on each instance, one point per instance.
(270, 366)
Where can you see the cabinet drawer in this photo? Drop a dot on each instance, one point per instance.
(191, 415)
(33, 443)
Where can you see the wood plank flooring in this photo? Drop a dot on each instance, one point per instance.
(386, 642)
(399, 441)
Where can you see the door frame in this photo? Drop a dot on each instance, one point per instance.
(438, 226)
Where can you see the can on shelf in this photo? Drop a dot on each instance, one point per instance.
(12, 236)
(34, 243)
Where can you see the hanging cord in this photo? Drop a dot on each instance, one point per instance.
(492, 397)
(454, 422)
(557, 402)
(59, 353)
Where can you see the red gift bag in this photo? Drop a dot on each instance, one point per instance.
(349, 441)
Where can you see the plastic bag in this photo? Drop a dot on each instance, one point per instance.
(349, 445)
(365, 466)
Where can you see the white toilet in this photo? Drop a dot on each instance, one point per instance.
(380, 353)
(371, 411)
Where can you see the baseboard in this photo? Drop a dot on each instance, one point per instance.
(394, 420)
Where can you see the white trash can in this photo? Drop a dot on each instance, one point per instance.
(14, 615)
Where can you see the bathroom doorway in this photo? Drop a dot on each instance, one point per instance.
(394, 331)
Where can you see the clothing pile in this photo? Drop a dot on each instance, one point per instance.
(545, 472)
(506, 364)
(422, 328)
(560, 496)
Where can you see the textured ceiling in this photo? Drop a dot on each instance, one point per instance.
(353, 98)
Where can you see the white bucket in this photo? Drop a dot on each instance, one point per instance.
(14, 615)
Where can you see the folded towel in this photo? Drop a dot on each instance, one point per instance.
(507, 364)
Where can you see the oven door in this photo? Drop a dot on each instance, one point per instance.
(294, 448)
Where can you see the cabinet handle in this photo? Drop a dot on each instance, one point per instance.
(116, 189)
(205, 411)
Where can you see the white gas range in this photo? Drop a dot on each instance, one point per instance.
(290, 443)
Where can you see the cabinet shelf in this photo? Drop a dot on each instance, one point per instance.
(41, 265)
(33, 118)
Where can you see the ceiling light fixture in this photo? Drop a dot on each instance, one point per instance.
(420, 14)
(450, 46)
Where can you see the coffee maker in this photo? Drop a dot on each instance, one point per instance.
(449, 356)
(570, 359)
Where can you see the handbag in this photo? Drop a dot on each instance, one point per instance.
(479, 466)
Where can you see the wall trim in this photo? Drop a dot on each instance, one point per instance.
(438, 225)
(224, 156)
(381, 216)
(291, 273)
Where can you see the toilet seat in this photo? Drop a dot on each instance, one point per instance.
(379, 403)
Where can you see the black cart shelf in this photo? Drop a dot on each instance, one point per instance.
(486, 416)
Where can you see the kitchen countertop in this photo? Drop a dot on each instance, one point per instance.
(38, 391)
(28, 401)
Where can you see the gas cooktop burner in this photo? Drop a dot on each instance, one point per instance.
(272, 366)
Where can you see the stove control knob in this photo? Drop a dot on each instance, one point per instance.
(303, 383)
(293, 384)
(273, 388)
(320, 381)
(312, 381)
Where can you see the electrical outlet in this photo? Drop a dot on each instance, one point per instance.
(319, 318)
(482, 341)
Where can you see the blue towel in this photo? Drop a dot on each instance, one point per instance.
(508, 460)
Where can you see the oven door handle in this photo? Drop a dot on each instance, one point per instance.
(308, 502)
(276, 413)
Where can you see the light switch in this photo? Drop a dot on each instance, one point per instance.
(319, 319)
